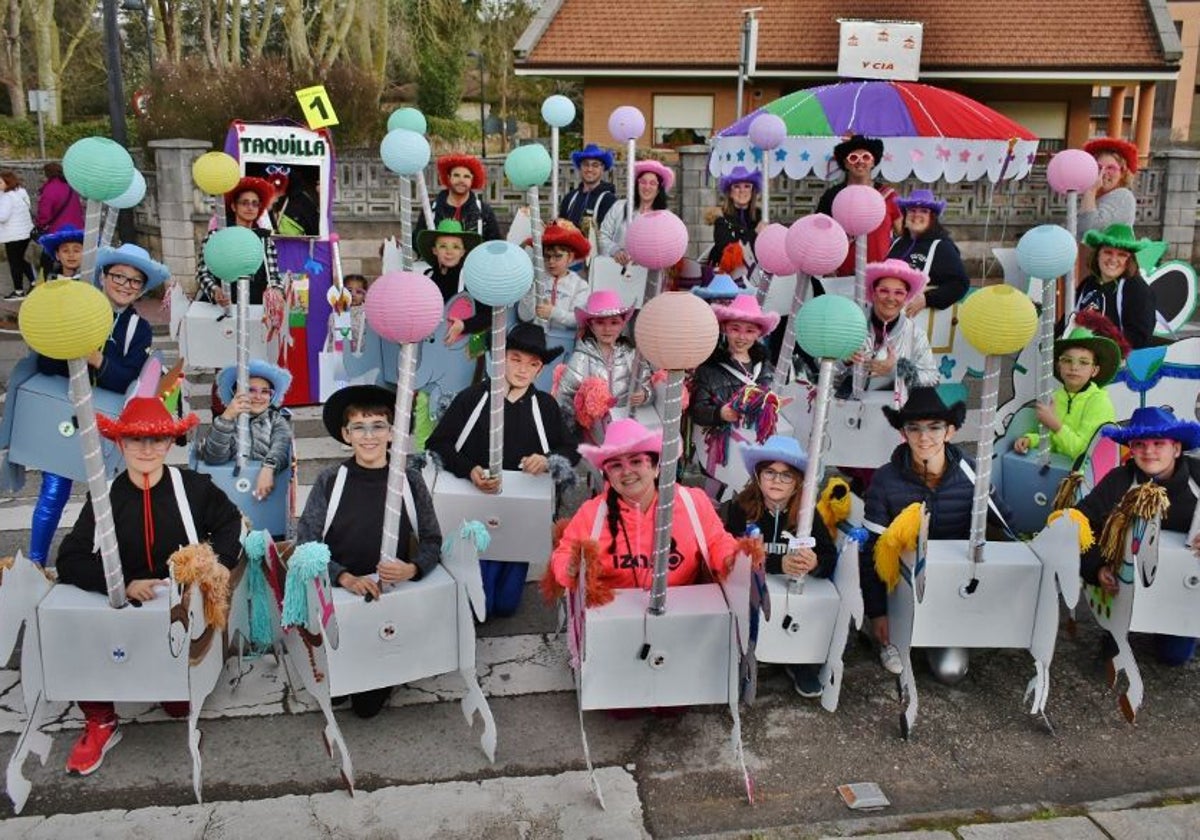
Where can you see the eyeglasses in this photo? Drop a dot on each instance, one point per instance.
(629, 462)
(1075, 361)
(1111, 167)
(860, 157)
(918, 429)
(783, 477)
(125, 280)
(363, 430)
(1149, 443)
(260, 392)
(248, 202)
(149, 442)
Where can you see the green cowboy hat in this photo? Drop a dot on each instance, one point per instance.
(1105, 350)
(446, 227)
(1115, 236)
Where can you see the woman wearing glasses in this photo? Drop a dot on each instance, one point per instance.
(124, 274)
(1109, 201)
(925, 467)
(858, 157)
(245, 204)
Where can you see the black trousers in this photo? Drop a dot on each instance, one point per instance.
(22, 273)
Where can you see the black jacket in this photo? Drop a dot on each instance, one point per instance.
(578, 205)
(713, 386)
(948, 281)
(475, 214)
(772, 527)
(895, 486)
(1135, 317)
(727, 229)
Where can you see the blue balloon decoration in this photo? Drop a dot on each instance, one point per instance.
(1047, 252)
(404, 152)
(409, 118)
(528, 166)
(497, 273)
(558, 111)
(133, 196)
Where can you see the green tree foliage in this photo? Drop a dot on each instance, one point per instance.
(438, 36)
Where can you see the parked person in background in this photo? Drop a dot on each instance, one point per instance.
(16, 228)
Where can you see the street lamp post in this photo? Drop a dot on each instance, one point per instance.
(482, 91)
(116, 85)
(143, 6)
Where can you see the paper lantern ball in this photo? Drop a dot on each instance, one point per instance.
(558, 111)
(767, 131)
(133, 196)
(657, 239)
(409, 118)
(817, 244)
(63, 319)
(626, 123)
(215, 173)
(676, 331)
(528, 166)
(771, 249)
(404, 152)
(1072, 170)
(497, 273)
(98, 168)
(859, 209)
(831, 327)
(233, 252)
(998, 320)
(404, 306)
(1046, 251)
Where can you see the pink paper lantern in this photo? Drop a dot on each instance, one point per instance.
(657, 239)
(404, 307)
(771, 249)
(676, 331)
(626, 123)
(817, 244)
(859, 209)
(767, 131)
(1072, 170)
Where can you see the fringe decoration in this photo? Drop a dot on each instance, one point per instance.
(1145, 501)
(1171, 369)
(308, 560)
(752, 547)
(1086, 538)
(254, 545)
(1068, 492)
(899, 537)
(198, 564)
(593, 401)
(562, 472)
(906, 372)
(834, 504)
(732, 258)
(552, 590)
(760, 407)
(556, 379)
(273, 312)
(473, 530)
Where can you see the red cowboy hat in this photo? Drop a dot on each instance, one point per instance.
(1114, 146)
(447, 162)
(259, 186)
(145, 417)
(566, 235)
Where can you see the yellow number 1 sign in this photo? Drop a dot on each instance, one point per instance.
(317, 108)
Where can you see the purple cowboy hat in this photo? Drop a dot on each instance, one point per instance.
(922, 198)
(740, 175)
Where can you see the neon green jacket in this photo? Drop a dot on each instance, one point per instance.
(1081, 415)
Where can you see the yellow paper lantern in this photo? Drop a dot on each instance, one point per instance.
(998, 320)
(215, 173)
(65, 319)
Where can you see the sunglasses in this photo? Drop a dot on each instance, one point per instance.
(860, 157)
(918, 429)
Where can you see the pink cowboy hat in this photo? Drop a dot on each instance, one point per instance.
(666, 175)
(602, 304)
(745, 308)
(898, 269)
(623, 437)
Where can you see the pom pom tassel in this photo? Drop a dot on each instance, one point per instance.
(198, 564)
(1068, 492)
(308, 560)
(254, 546)
(899, 537)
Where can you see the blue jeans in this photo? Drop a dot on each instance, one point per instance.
(503, 584)
(1174, 650)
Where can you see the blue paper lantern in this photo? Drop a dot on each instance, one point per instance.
(233, 252)
(1047, 252)
(98, 168)
(405, 152)
(528, 166)
(558, 111)
(133, 196)
(831, 327)
(497, 273)
(409, 118)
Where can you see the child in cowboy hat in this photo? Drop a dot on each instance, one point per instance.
(1085, 360)
(270, 424)
(125, 274)
(345, 509)
(1157, 441)
(444, 249)
(927, 247)
(65, 245)
(156, 509)
(652, 183)
(741, 362)
(461, 176)
(588, 204)
(857, 157)
(739, 221)
(562, 245)
(1115, 287)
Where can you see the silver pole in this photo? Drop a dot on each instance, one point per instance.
(672, 408)
(860, 297)
(983, 458)
(539, 259)
(423, 194)
(1072, 226)
(630, 156)
(554, 171)
(91, 239)
(397, 476)
(407, 258)
(496, 427)
(783, 365)
(1046, 364)
(243, 368)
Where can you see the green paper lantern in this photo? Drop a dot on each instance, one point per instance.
(831, 327)
(409, 118)
(528, 166)
(98, 168)
(234, 252)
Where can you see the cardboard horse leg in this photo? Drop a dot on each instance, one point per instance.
(850, 611)
(1058, 548)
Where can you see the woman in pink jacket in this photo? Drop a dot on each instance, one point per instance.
(615, 530)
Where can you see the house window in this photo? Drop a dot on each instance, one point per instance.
(680, 120)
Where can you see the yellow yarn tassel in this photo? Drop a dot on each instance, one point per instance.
(1068, 491)
(899, 537)
(1086, 537)
(1142, 502)
(834, 504)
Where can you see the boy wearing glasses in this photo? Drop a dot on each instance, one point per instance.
(270, 427)
(562, 245)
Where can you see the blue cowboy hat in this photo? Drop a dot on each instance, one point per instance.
(740, 175)
(592, 152)
(721, 287)
(922, 198)
(1156, 422)
(279, 378)
(775, 448)
(136, 256)
(52, 240)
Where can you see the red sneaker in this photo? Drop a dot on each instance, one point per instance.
(87, 754)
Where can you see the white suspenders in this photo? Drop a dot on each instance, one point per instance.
(469, 427)
(689, 505)
(335, 499)
(181, 502)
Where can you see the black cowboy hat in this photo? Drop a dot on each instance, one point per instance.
(926, 404)
(367, 396)
(530, 338)
(853, 144)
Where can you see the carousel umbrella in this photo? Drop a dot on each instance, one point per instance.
(928, 132)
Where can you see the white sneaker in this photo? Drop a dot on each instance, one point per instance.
(889, 658)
